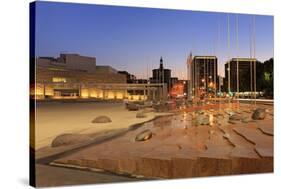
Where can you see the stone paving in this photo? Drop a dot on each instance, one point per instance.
(181, 148)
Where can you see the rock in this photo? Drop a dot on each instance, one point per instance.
(218, 115)
(148, 104)
(102, 119)
(245, 119)
(69, 139)
(132, 107)
(259, 114)
(199, 112)
(229, 112)
(235, 117)
(144, 135)
(141, 115)
(202, 120)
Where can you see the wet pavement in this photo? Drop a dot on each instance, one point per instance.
(197, 141)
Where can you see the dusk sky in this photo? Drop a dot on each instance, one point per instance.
(134, 39)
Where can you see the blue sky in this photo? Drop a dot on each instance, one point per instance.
(133, 39)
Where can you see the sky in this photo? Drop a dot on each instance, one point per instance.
(134, 39)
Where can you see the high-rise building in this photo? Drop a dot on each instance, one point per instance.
(244, 73)
(203, 76)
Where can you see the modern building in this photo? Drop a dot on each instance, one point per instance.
(130, 77)
(74, 76)
(203, 75)
(244, 72)
(161, 75)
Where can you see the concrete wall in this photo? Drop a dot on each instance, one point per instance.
(83, 63)
(46, 75)
(69, 62)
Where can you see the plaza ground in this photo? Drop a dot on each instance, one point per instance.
(55, 118)
(176, 143)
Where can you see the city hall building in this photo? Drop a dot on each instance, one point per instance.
(74, 76)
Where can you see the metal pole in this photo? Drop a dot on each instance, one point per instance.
(163, 83)
(204, 76)
(254, 48)
(228, 46)
(237, 62)
(251, 69)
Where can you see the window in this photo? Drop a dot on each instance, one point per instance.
(59, 80)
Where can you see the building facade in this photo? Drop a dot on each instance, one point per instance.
(203, 76)
(130, 77)
(161, 75)
(244, 72)
(74, 76)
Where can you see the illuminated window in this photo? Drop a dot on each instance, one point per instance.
(59, 80)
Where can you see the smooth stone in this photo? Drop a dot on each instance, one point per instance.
(229, 112)
(200, 112)
(132, 107)
(102, 119)
(148, 104)
(259, 114)
(235, 117)
(202, 120)
(144, 135)
(69, 139)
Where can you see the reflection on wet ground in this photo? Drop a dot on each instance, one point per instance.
(213, 139)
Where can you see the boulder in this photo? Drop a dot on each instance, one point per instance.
(144, 135)
(235, 117)
(202, 119)
(102, 119)
(148, 104)
(132, 107)
(259, 114)
(245, 119)
(229, 112)
(199, 112)
(141, 115)
(69, 139)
